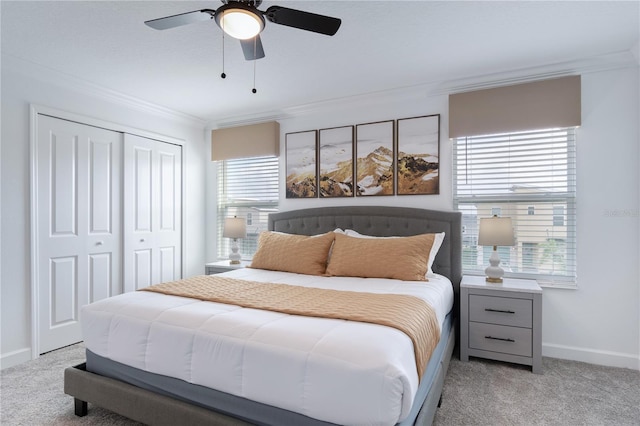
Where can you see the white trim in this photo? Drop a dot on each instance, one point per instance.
(35, 248)
(10, 359)
(606, 62)
(36, 110)
(57, 78)
(592, 356)
(611, 61)
(103, 124)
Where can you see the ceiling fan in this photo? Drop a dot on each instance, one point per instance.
(242, 20)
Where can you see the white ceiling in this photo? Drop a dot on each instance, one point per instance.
(381, 46)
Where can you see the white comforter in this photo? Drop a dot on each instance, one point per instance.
(334, 370)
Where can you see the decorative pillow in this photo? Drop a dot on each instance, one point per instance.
(301, 254)
(437, 242)
(401, 258)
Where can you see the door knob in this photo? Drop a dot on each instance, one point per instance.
(99, 243)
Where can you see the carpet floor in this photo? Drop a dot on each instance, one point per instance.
(478, 392)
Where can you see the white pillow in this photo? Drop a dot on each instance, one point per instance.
(437, 242)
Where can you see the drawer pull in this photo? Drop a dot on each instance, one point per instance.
(499, 310)
(499, 338)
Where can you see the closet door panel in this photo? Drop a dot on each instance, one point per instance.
(63, 177)
(141, 183)
(64, 291)
(152, 212)
(101, 167)
(100, 276)
(77, 216)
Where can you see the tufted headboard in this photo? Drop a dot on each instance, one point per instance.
(382, 221)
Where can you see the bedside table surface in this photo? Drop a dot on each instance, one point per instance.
(509, 284)
(227, 265)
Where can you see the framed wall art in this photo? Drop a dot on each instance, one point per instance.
(335, 178)
(301, 150)
(418, 148)
(374, 159)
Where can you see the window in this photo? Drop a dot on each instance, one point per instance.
(530, 177)
(558, 215)
(248, 188)
(529, 256)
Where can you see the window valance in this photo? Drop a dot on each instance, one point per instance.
(543, 104)
(255, 140)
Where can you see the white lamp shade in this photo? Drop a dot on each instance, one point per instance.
(235, 227)
(495, 231)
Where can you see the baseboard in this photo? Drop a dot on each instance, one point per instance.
(14, 358)
(592, 356)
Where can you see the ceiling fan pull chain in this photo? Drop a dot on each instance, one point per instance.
(223, 75)
(255, 42)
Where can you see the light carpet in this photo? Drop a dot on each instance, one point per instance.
(478, 392)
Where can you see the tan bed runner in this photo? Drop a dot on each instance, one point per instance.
(409, 314)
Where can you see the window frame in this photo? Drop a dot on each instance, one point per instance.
(543, 204)
(255, 207)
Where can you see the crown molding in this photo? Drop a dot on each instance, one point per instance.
(54, 77)
(600, 63)
(608, 62)
(612, 61)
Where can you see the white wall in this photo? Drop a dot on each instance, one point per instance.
(598, 322)
(23, 84)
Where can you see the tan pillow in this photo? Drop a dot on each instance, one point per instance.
(293, 253)
(438, 238)
(401, 258)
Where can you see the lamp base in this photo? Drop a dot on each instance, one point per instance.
(234, 256)
(494, 272)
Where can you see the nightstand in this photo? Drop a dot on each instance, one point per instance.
(501, 321)
(223, 266)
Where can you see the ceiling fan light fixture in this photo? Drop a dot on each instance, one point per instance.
(239, 21)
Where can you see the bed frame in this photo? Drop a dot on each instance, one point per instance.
(156, 409)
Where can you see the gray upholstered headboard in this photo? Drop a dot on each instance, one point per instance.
(382, 222)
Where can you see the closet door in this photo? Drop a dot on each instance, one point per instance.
(152, 212)
(78, 239)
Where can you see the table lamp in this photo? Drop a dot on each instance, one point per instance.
(234, 228)
(495, 231)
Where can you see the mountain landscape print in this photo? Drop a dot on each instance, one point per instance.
(336, 162)
(374, 159)
(301, 165)
(418, 170)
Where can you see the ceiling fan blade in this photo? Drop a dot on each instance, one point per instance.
(252, 50)
(303, 20)
(181, 19)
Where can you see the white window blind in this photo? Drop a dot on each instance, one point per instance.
(530, 177)
(247, 188)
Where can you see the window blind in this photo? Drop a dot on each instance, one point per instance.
(247, 188)
(530, 177)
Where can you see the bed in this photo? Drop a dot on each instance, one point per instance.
(303, 382)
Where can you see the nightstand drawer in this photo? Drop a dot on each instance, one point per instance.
(500, 338)
(500, 310)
